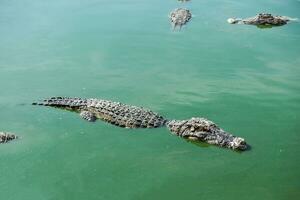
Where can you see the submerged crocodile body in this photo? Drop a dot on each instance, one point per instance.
(6, 137)
(180, 17)
(127, 116)
(113, 112)
(262, 19)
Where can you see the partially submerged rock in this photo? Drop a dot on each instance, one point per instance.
(180, 17)
(6, 137)
(262, 19)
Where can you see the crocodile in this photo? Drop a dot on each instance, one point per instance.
(180, 17)
(6, 137)
(262, 20)
(127, 116)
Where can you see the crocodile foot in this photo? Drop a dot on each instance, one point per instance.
(89, 116)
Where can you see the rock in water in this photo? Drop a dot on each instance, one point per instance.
(180, 17)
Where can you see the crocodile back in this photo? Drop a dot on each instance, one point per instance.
(116, 113)
(124, 115)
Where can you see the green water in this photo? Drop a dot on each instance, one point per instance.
(245, 79)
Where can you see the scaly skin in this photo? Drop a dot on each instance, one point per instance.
(127, 116)
(204, 130)
(112, 112)
(6, 137)
(262, 19)
(180, 17)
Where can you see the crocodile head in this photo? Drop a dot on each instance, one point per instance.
(6, 137)
(201, 129)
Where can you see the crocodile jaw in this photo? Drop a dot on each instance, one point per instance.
(238, 143)
(201, 129)
(232, 21)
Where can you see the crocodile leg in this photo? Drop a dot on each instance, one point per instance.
(89, 116)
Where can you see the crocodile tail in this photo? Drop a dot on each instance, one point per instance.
(201, 129)
(63, 102)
